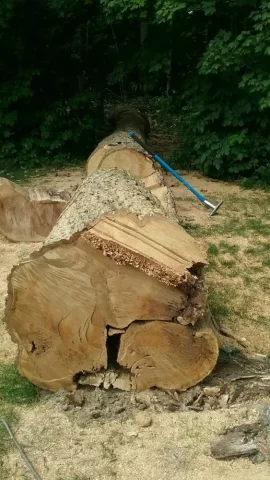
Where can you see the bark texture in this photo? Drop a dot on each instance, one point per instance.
(121, 151)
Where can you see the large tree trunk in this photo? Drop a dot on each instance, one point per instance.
(29, 214)
(118, 283)
(121, 151)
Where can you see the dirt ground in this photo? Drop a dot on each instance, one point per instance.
(104, 439)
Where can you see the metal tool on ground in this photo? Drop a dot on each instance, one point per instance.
(200, 197)
(21, 452)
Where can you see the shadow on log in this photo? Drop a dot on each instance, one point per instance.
(29, 214)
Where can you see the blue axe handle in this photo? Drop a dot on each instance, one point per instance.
(167, 167)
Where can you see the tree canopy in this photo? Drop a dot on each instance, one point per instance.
(204, 63)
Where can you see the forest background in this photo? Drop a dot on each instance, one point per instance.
(202, 68)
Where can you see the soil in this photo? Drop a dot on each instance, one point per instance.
(96, 434)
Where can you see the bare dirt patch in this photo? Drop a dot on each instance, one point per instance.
(176, 445)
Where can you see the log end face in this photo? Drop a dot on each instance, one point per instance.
(28, 215)
(166, 355)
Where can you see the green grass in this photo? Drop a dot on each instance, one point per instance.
(262, 319)
(227, 248)
(25, 175)
(218, 301)
(227, 263)
(264, 284)
(212, 249)
(234, 272)
(266, 262)
(193, 228)
(247, 279)
(234, 226)
(15, 389)
(243, 227)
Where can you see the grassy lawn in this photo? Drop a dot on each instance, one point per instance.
(238, 275)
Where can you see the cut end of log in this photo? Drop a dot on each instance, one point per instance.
(128, 118)
(29, 214)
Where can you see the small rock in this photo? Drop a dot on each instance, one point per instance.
(76, 398)
(212, 401)
(257, 459)
(132, 434)
(142, 406)
(143, 398)
(143, 419)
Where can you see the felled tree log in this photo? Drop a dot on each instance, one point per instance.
(29, 214)
(121, 151)
(115, 262)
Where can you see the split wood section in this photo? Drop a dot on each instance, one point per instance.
(115, 266)
(29, 214)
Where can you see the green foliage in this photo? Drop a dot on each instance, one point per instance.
(226, 107)
(49, 113)
(205, 64)
(15, 389)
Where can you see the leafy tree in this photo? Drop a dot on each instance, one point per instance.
(49, 111)
(225, 108)
(204, 63)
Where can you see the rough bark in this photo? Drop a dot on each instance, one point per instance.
(249, 440)
(121, 151)
(115, 264)
(29, 214)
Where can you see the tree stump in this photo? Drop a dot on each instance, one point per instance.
(121, 151)
(115, 292)
(28, 214)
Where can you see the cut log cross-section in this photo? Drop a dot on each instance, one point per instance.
(121, 151)
(115, 263)
(29, 214)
